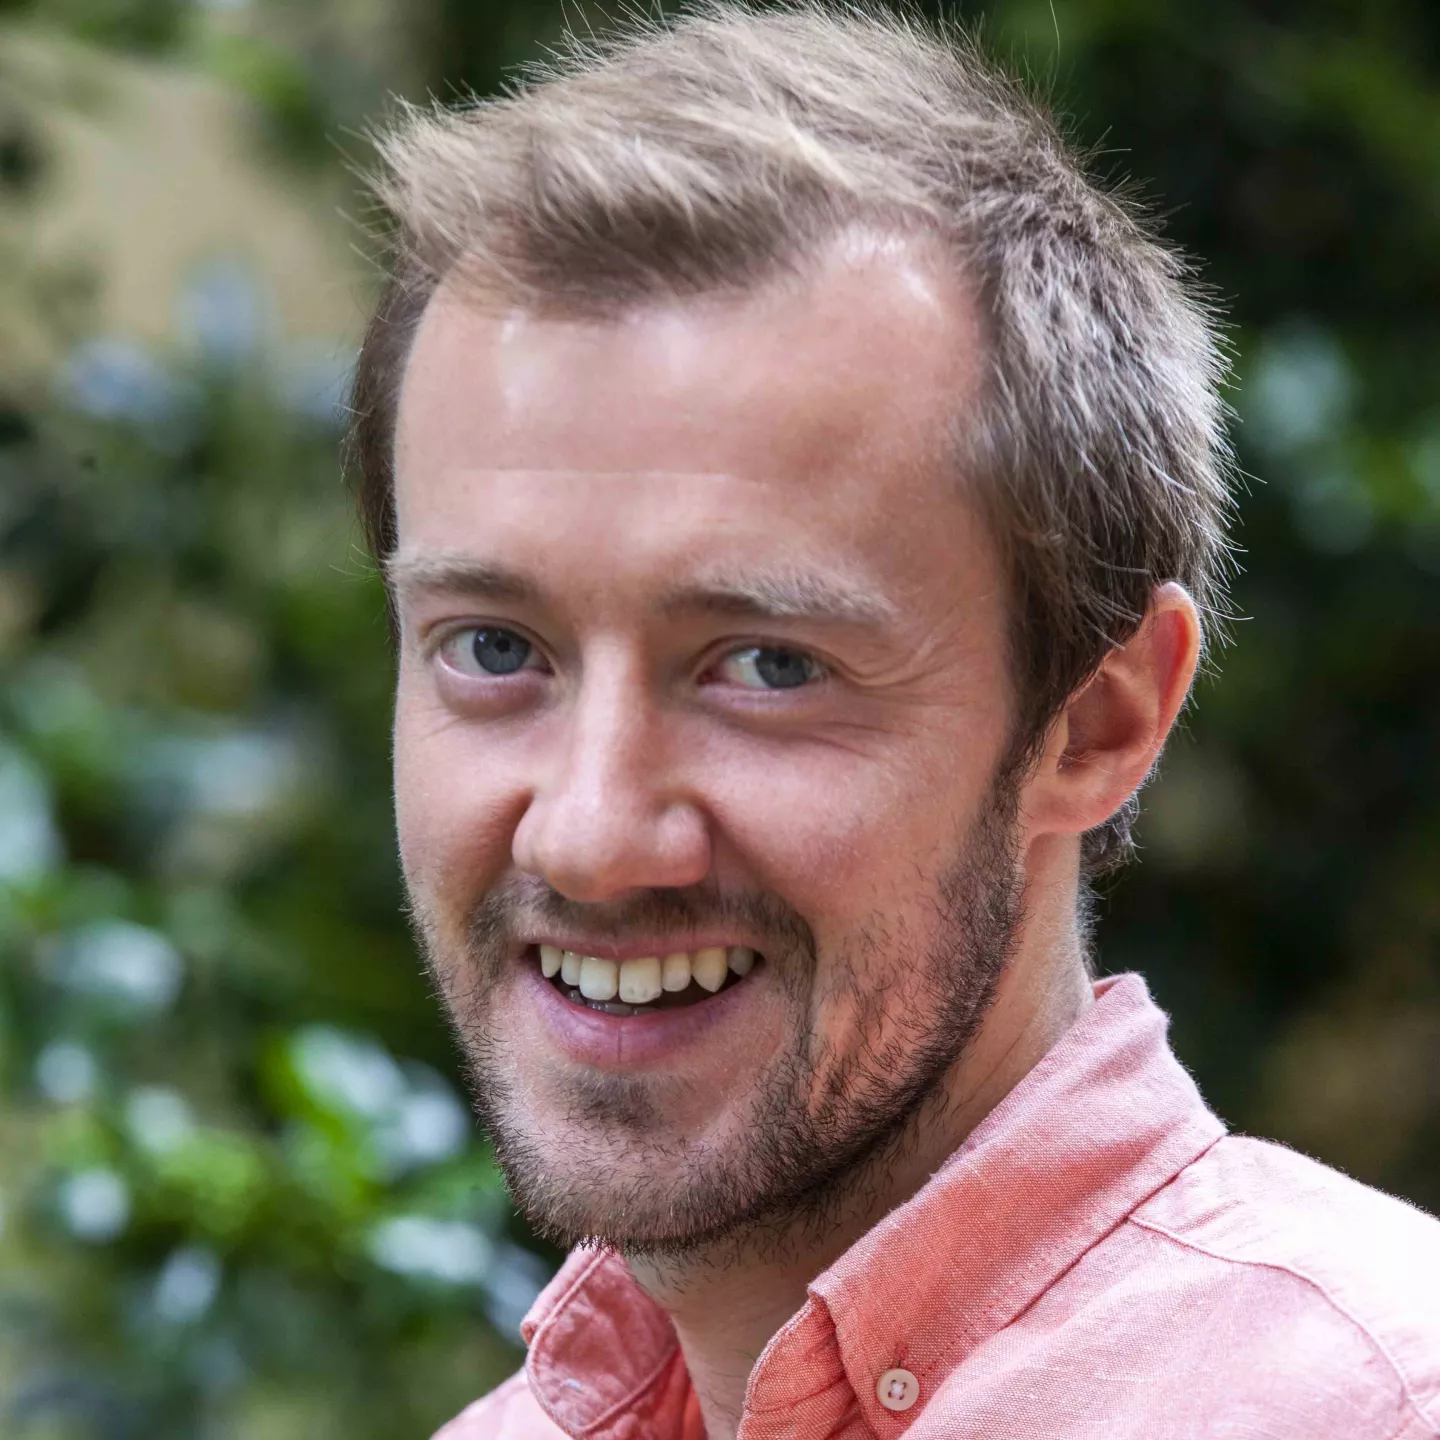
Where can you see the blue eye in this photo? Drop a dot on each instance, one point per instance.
(488, 651)
(770, 667)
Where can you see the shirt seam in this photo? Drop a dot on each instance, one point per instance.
(563, 1299)
(792, 1326)
(1407, 1386)
(628, 1401)
(536, 1340)
(1406, 1428)
(1097, 1241)
(986, 1326)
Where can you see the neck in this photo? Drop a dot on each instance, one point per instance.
(727, 1302)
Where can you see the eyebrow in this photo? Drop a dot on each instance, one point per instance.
(792, 595)
(443, 574)
(782, 595)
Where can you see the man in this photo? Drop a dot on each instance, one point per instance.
(801, 495)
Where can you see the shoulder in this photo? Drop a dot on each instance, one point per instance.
(508, 1412)
(1333, 1269)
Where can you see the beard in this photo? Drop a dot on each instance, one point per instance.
(824, 1121)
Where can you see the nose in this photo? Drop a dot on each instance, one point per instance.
(607, 815)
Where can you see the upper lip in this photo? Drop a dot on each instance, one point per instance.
(636, 949)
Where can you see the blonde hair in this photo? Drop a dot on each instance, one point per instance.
(679, 157)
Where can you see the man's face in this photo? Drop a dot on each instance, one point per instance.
(701, 651)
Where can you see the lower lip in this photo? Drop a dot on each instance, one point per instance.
(631, 1042)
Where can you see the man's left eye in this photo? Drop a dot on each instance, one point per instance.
(770, 667)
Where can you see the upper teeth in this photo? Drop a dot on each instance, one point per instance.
(638, 982)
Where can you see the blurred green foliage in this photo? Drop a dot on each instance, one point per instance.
(231, 1206)
(239, 1192)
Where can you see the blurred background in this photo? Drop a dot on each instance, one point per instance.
(240, 1192)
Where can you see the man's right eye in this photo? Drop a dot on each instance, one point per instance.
(488, 650)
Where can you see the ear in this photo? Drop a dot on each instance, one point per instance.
(1105, 741)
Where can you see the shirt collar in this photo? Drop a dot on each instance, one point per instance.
(1105, 1119)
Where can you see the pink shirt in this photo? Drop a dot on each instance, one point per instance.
(1099, 1260)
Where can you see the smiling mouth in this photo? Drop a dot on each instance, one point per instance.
(642, 987)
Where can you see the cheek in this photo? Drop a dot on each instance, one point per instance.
(844, 837)
(453, 805)
(859, 846)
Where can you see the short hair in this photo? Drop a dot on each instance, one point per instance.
(675, 158)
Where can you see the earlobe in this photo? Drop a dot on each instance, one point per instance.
(1111, 732)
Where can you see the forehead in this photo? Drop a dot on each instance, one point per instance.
(815, 408)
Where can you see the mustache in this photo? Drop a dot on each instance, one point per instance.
(522, 903)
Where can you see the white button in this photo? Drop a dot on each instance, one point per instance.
(897, 1389)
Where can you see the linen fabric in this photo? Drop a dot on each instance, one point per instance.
(1099, 1261)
